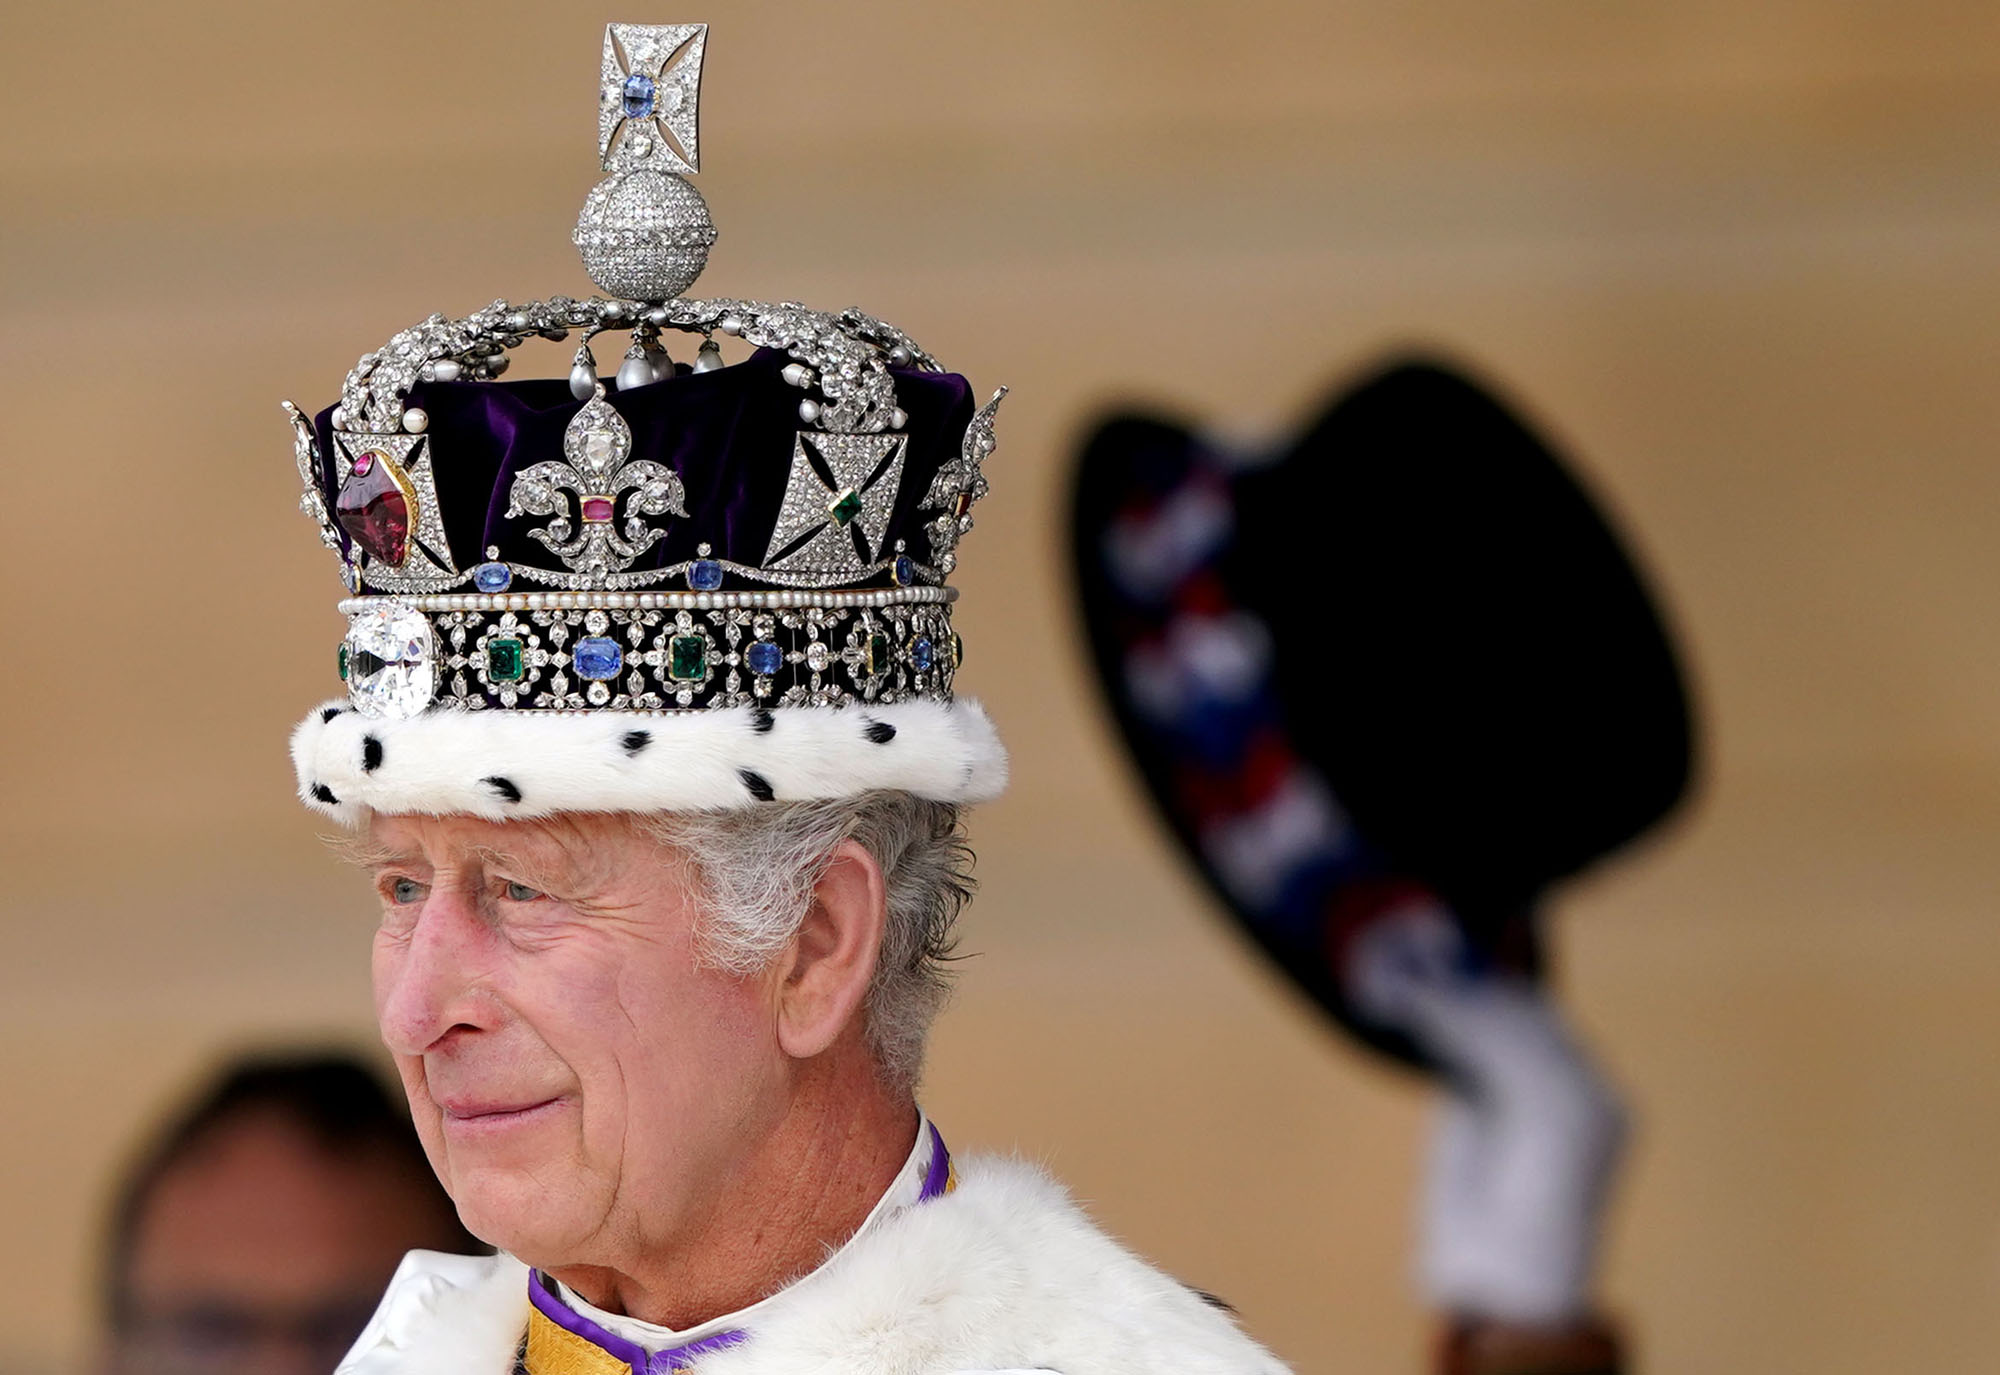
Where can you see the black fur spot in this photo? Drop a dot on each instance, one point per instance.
(759, 786)
(329, 714)
(504, 787)
(636, 740)
(325, 794)
(371, 754)
(761, 720)
(881, 732)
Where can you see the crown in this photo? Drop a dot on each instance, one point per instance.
(534, 563)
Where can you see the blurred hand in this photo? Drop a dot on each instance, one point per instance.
(1528, 1136)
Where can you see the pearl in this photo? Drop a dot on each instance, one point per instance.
(731, 325)
(898, 418)
(445, 370)
(634, 372)
(415, 420)
(709, 357)
(899, 357)
(797, 374)
(496, 366)
(809, 411)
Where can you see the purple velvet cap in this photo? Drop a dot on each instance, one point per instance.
(728, 434)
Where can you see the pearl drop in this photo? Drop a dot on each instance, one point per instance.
(898, 418)
(634, 372)
(414, 420)
(709, 357)
(796, 374)
(583, 381)
(809, 411)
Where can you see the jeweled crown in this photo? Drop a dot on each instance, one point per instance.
(774, 531)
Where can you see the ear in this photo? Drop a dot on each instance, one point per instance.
(834, 954)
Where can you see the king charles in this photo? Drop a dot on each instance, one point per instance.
(650, 743)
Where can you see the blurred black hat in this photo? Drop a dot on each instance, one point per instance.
(1403, 653)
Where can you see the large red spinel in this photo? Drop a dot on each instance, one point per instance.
(373, 510)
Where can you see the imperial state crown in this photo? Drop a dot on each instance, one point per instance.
(699, 584)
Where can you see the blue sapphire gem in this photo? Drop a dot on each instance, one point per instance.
(705, 575)
(906, 570)
(922, 654)
(492, 577)
(764, 657)
(638, 96)
(598, 658)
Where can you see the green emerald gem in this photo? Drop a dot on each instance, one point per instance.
(505, 662)
(845, 507)
(876, 658)
(687, 658)
(343, 661)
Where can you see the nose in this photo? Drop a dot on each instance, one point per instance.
(431, 983)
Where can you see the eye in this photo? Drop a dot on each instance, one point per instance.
(520, 892)
(404, 891)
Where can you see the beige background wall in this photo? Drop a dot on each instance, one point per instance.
(1745, 259)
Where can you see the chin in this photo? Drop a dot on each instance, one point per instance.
(521, 1215)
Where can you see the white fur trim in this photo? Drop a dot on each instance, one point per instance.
(506, 765)
(1004, 1274)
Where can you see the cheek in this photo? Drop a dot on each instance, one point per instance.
(697, 1037)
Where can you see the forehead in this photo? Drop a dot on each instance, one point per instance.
(579, 844)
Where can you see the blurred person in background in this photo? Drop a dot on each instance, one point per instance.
(651, 746)
(255, 1231)
(1387, 683)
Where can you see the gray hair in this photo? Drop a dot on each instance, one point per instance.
(758, 866)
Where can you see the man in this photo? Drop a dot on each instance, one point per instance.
(254, 1234)
(651, 748)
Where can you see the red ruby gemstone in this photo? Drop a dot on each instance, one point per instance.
(597, 509)
(372, 509)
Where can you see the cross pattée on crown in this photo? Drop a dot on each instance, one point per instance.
(649, 97)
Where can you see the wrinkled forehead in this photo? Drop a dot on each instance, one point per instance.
(579, 848)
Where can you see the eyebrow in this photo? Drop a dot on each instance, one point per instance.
(542, 874)
(362, 852)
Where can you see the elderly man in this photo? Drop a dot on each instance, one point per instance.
(651, 747)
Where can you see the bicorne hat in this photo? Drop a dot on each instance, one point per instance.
(698, 584)
(1402, 656)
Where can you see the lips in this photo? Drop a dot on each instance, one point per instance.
(491, 1112)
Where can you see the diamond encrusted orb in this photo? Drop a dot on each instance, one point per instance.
(390, 668)
(644, 234)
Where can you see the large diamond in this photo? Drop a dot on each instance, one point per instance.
(389, 660)
(374, 509)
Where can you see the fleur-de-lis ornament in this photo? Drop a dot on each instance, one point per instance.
(599, 471)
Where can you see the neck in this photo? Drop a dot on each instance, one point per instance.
(806, 1189)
